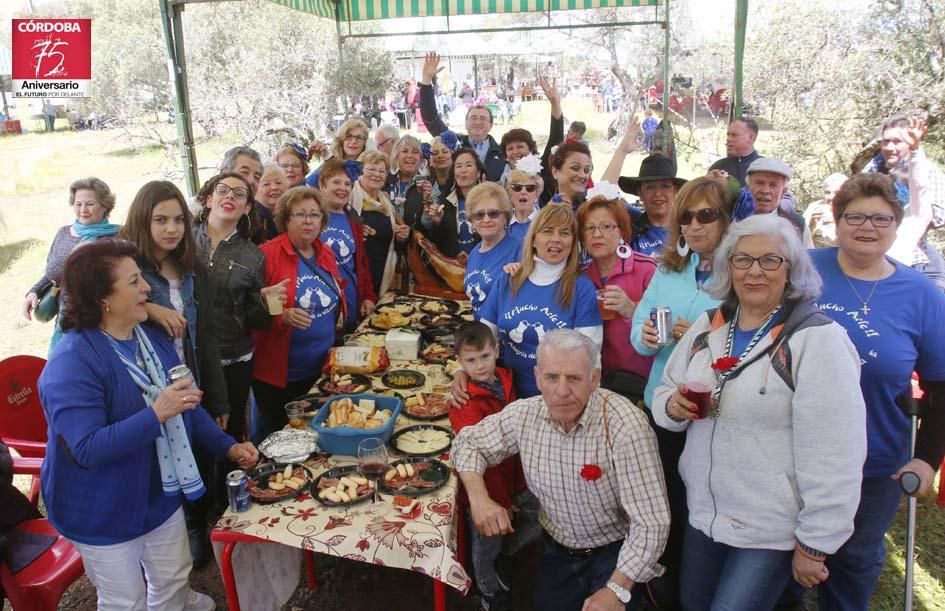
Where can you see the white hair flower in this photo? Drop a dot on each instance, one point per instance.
(608, 190)
(529, 164)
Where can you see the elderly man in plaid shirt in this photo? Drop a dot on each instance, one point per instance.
(591, 459)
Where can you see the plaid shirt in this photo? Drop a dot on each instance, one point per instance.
(627, 502)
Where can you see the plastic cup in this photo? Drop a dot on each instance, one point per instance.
(700, 394)
(605, 314)
(295, 410)
(273, 304)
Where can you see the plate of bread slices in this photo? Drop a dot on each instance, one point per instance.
(274, 482)
(342, 486)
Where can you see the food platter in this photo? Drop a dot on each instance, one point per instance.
(438, 306)
(347, 384)
(427, 406)
(441, 320)
(289, 445)
(267, 483)
(330, 480)
(403, 379)
(385, 321)
(429, 474)
(422, 440)
(436, 352)
(405, 308)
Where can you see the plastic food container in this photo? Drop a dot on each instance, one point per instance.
(345, 439)
(402, 344)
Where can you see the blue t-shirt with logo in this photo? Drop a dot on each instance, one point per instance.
(651, 241)
(901, 331)
(316, 294)
(337, 236)
(518, 229)
(524, 318)
(466, 239)
(483, 269)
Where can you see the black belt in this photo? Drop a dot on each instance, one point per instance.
(580, 553)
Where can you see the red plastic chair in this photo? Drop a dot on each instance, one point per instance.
(39, 585)
(22, 422)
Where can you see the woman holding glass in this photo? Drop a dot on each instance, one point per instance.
(298, 340)
(772, 473)
(620, 277)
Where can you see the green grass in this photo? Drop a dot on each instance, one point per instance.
(33, 205)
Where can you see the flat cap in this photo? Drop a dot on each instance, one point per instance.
(769, 164)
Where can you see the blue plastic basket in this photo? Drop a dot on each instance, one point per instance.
(345, 439)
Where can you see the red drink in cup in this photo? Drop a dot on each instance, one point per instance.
(701, 395)
(605, 314)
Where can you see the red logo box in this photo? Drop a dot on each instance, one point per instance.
(52, 57)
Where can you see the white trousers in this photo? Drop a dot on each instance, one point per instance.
(164, 557)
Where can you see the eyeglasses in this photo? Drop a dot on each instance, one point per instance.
(380, 144)
(306, 216)
(493, 214)
(880, 221)
(355, 138)
(704, 216)
(527, 188)
(88, 205)
(376, 171)
(604, 228)
(222, 189)
(290, 166)
(769, 263)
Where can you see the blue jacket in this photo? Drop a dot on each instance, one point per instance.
(679, 291)
(101, 481)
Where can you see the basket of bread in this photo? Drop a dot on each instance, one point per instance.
(345, 420)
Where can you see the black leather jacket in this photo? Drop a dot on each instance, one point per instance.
(239, 269)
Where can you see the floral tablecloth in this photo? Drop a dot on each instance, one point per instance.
(424, 541)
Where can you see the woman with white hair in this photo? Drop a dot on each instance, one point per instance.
(767, 389)
(407, 192)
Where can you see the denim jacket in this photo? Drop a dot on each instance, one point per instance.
(201, 350)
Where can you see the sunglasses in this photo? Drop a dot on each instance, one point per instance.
(493, 214)
(526, 188)
(704, 216)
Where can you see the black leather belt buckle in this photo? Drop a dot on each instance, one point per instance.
(575, 553)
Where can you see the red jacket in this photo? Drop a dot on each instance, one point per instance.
(362, 267)
(272, 345)
(506, 479)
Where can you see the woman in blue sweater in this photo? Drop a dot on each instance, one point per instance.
(699, 219)
(119, 461)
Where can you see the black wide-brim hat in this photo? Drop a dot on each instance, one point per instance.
(654, 167)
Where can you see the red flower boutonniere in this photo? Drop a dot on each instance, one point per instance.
(591, 472)
(724, 363)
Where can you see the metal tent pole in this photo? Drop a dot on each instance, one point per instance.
(741, 22)
(177, 67)
(666, 40)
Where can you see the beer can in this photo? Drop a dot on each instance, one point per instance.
(237, 491)
(662, 318)
(181, 372)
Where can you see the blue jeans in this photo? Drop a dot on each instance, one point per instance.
(855, 568)
(718, 577)
(485, 550)
(564, 582)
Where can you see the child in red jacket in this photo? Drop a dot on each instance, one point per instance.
(491, 389)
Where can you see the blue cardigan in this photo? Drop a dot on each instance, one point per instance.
(679, 291)
(101, 481)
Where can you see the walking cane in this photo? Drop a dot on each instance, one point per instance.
(910, 483)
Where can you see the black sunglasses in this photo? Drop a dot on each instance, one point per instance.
(704, 216)
(528, 188)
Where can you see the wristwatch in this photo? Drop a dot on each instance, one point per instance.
(623, 594)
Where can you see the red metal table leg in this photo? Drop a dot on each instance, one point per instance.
(229, 580)
(461, 535)
(310, 568)
(439, 595)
